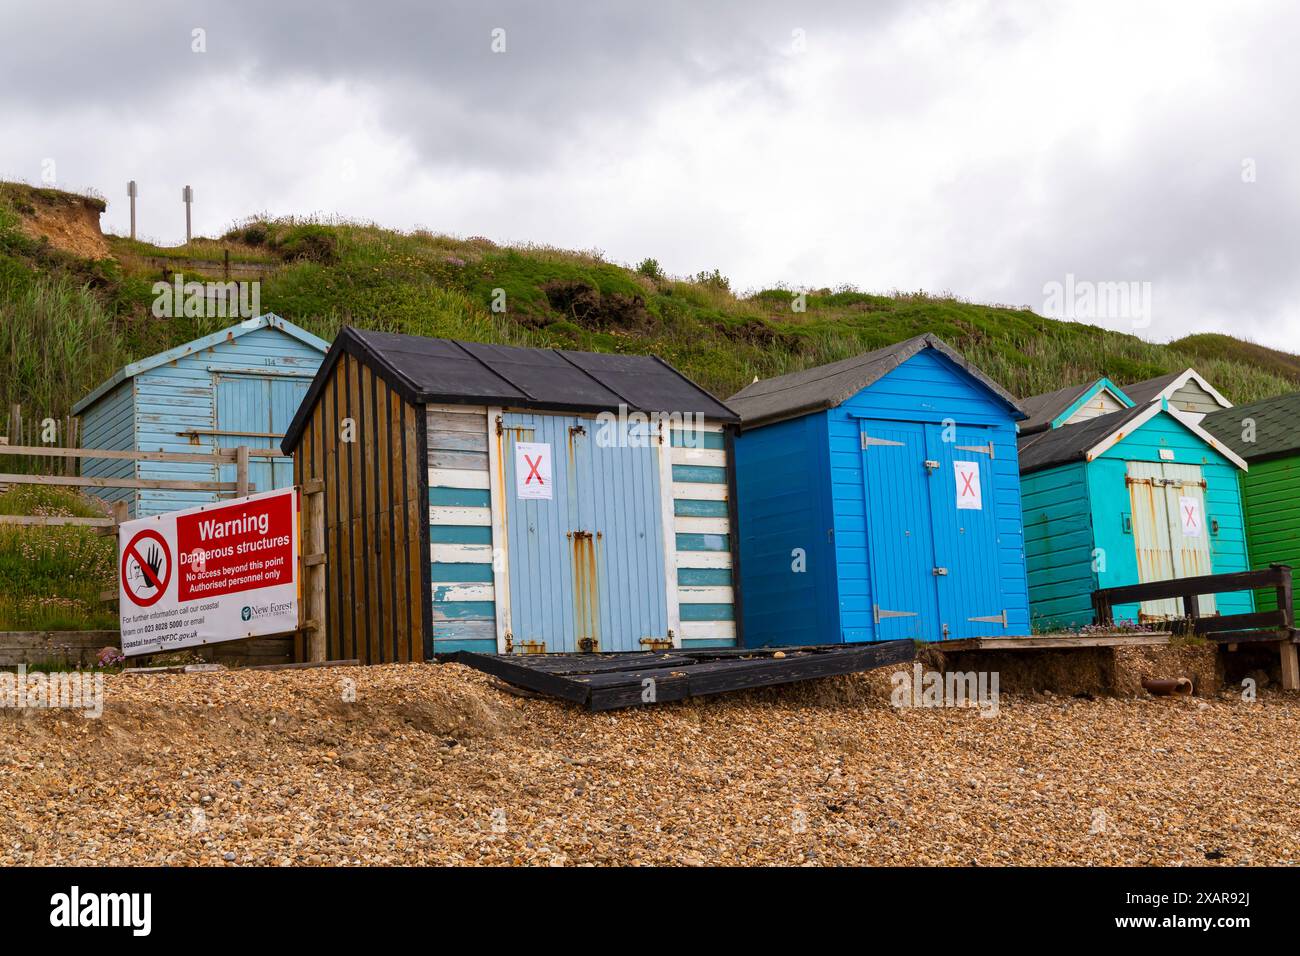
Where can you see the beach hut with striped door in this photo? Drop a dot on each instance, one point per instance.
(239, 386)
(879, 498)
(1267, 435)
(1137, 495)
(504, 500)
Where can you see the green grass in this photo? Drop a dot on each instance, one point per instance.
(66, 324)
(51, 577)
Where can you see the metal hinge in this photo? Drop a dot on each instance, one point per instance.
(500, 426)
(981, 449)
(878, 613)
(868, 441)
(991, 619)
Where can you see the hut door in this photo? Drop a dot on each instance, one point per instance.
(586, 564)
(963, 498)
(255, 411)
(900, 554)
(1169, 529)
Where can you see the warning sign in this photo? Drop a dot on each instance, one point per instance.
(1190, 510)
(146, 568)
(968, 485)
(533, 469)
(214, 573)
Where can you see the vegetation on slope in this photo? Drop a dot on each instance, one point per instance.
(67, 322)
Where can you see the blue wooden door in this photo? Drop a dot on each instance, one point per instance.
(255, 411)
(586, 566)
(900, 548)
(965, 520)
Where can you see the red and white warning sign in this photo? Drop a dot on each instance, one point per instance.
(1189, 510)
(214, 573)
(968, 485)
(533, 469)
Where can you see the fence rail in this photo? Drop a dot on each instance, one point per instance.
(239, 457)
(1231, 629)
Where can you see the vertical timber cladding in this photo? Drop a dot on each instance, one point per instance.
(363, 441)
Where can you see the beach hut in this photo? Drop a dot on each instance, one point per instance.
(1137, 495)
(1071, 405)
(1267, 435)
(239, 386)
(1186, 391)
(879, 498)
(500, 499)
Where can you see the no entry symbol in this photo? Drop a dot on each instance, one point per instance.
(146, 568)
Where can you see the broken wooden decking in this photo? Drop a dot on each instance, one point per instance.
(1063, 641)
(610, 681)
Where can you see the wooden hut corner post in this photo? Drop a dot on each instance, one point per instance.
(311, 614)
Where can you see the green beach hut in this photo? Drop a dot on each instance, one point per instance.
(1267, 435)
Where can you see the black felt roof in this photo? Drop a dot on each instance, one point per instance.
(1276, 427)
(1043, 409)
(826, 386)
(426, 370)
(1057, 446)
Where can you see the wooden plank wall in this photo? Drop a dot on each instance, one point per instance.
(376, 524)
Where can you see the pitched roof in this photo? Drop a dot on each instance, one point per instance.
(424, 370)
(826, 386)
(268, 321)
(1277, 427)
(1045, 409)
(1163, 386)
(1150, 389)
(1086, 440)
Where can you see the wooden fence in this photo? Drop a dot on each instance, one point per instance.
(1258, 626)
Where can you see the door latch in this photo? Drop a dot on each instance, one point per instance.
(931, 465)
(939, 572)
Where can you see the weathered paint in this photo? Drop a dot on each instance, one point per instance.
(245, 379)
(1082, 524)
(587, 566)
(460, 533)
(811, 497)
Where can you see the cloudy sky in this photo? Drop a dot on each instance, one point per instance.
(987, 149)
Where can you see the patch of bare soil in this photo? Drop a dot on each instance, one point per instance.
(70, 226)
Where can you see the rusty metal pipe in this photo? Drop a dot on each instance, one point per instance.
(1167, 686)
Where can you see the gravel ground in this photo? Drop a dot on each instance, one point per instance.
(436, 764)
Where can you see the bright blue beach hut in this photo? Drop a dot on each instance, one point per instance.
(879, 498)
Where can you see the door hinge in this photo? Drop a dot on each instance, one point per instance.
(981, 449)
(991, 619)
(878, 613)
(868, 441)
(500, 426)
